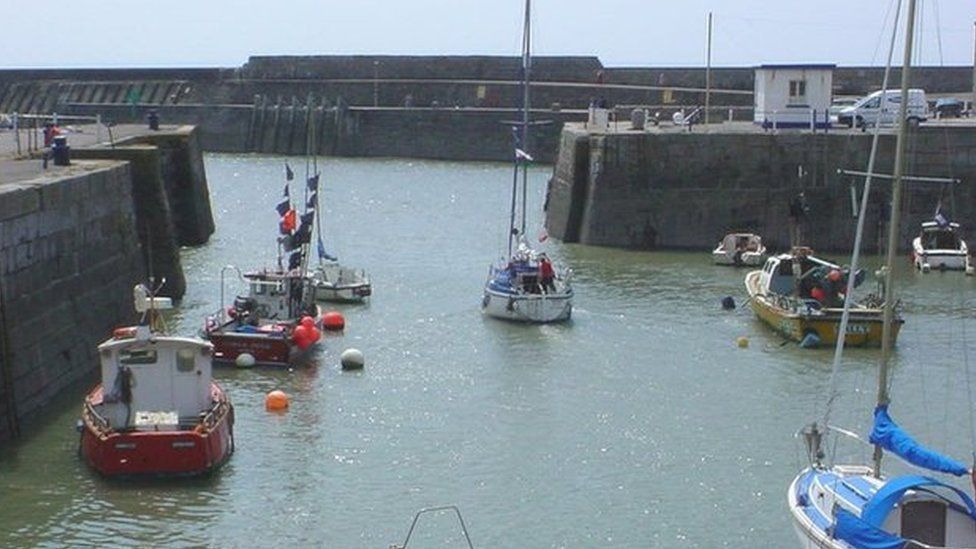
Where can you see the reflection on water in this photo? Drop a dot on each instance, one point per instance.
(639, 423)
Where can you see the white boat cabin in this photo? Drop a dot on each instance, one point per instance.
(940, 237)
(151, 382)
(781, 272)
(274, 296)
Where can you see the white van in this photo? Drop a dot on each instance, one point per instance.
(882, 107)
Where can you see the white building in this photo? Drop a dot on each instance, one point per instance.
(793, 96)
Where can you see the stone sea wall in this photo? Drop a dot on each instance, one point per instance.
(69, 257)
(686, 190)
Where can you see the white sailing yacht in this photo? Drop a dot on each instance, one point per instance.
(857, 505)
(527, 286)
(330, 280)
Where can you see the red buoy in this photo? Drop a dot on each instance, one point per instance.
(333, 321)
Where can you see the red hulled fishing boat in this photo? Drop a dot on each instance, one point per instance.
(157, 411)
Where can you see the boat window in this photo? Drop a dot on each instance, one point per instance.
(185, 360)
(132, 356)
(786, 268)
(257, 289)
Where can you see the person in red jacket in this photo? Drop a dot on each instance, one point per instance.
(546, 274)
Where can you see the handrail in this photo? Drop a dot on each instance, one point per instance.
(416, 517)
(222, 271)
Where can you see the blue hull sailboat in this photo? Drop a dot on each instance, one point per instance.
(859, 506)
(527, 286)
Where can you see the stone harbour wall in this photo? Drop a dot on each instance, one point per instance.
(686, 190)
(69, 257)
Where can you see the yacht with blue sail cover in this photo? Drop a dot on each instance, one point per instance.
(844, 506)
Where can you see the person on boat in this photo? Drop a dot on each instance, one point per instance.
(546, 274)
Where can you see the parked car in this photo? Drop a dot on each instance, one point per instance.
(882, 107)
(839, 104)
(949, 107)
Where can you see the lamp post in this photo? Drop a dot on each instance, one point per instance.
(376, 83)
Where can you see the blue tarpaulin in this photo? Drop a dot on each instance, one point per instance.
(860, 534)
(891, 437)
(876, 510)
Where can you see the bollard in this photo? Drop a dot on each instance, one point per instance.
(61, 151)
(153, 119)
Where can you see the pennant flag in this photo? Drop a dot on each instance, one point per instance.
(308, 218)
(294, 260)
(522, 155)
(289, 175)
(283, 207)
(287, 223)
(313, 200)
(313, 183)
(323, 254)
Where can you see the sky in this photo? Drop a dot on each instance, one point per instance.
(208, 33)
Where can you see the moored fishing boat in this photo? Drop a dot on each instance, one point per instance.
(740, 249)
(800, 296)
(334, 282)
(275, 324)
(940, 247)
(157, 410)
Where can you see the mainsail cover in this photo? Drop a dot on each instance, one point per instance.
(891, 437)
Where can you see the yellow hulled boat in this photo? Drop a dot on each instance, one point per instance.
(797, 295)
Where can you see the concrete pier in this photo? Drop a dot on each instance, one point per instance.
(674, 189)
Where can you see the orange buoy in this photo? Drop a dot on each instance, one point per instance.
(333, 321)
(276, 401)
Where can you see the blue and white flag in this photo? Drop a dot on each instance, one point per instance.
(323, 254)
(313, 183)
(312, 200)
(941, 219)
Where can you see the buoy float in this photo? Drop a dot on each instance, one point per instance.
(333, 321)
(245, 360)
(128, 332)
(276, 401)
(742, 342)
(352, 359)
(728, 303)
(305, 334)
(811, 339)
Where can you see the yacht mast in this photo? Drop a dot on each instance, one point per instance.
(526, 69)
(889, 297)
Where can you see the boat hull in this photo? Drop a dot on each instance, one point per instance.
(267, 350)
(343, 294)
(184, 452)
(746, 259)
(532, 308)
(864, 327)
(925, 260)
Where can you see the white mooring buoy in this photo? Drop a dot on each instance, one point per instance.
(352, 359)
(244, 360)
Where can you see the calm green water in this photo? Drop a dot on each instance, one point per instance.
(638, 424)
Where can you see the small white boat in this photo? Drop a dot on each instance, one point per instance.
(939, 246)
(517, 291)
(740, 249)
(333, 282)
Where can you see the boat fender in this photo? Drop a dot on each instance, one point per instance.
(737, 258)
(511, 305)
(810, 340)
(127, 332)
(485, 301)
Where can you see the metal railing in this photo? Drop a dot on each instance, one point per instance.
(457, 512)
(31, 124)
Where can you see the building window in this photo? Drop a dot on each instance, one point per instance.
(798, 91)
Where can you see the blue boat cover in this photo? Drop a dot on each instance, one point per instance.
(891, 437)
(876, 510)
(850, 528)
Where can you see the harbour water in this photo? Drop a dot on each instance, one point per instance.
(638, 424)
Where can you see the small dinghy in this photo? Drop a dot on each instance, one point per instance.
(740, 249)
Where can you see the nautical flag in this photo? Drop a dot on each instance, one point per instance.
(323, 254)
(287, 223)
(941, 219)
(313, 200)
(294, 260)
(287, 242)
(283, 207)
(313, 183)
(289, 175)
(522, 155)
